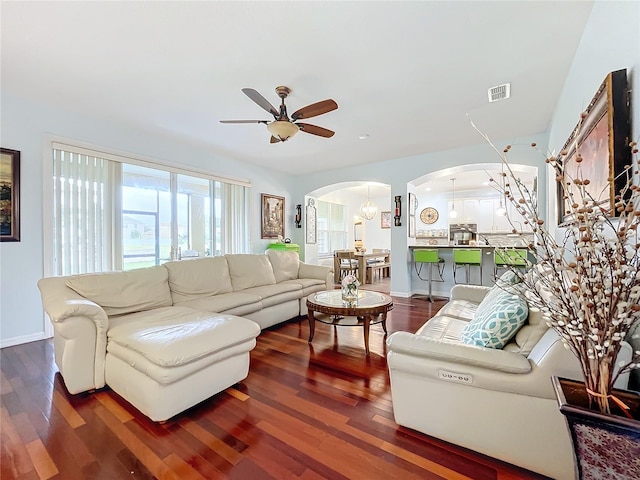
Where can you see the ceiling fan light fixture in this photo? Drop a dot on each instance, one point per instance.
(282, 129)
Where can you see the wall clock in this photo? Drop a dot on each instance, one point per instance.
(429, 215)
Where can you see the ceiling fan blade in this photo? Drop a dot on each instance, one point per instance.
(274, 139)
(315, 130)
(244, 121)
(260, 100)
(314, 109)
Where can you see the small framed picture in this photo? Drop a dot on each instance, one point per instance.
(385, 219)
(272, 216)
(9, 195)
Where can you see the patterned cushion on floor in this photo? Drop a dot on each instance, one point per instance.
(496, 321)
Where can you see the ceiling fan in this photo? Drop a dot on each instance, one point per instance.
(282, 128)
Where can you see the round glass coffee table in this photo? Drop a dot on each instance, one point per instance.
(369, 309)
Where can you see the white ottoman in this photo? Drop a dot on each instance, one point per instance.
(166, 360)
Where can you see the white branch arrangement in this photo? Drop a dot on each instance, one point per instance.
(587, 285)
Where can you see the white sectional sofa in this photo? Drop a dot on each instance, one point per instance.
(167, 337)
(496, 401)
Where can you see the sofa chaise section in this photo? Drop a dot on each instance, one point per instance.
(168, 360)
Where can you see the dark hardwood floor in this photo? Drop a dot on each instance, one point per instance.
(305, 411)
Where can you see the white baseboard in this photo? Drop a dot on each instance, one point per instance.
(10, 342)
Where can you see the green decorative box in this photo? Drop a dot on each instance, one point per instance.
(292, 247)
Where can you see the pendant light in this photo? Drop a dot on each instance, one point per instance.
(368, 209)
(501, 211)
(453, 213)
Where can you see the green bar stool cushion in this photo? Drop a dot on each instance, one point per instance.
(467, 257)
(432, 257)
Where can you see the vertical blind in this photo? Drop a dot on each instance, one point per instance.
(83, 213)
(88, 216)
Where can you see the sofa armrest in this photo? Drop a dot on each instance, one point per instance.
(459, 353)
(431, 360)
(321, 272)
(61, 303)
(472, 293)
(80, 334)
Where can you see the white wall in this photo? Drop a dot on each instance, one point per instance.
(399, 172)
(611, 41)
(24, 126)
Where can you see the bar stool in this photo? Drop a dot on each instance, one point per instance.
(509, 258)
(432, 257)
(467, 258)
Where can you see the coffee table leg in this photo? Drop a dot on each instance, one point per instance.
(384, 322)
(312, 324)
(367, 322)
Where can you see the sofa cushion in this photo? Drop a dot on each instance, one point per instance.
(175, 336)
(462, 309)
(508, 278)
(285, 264)
(224, 302)
(275, 294)
(200, 277)
(496, 321)
(250, 271)
(529, 335)
(125, 292)
(443, 327)
(308, 285)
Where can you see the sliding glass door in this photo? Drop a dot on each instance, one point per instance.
(115, 213)
(165, 216)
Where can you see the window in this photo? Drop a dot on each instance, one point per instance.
(332, 228)
(113, 213)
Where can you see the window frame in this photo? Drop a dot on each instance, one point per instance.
(52, 143)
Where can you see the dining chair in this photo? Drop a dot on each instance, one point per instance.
(347, 262)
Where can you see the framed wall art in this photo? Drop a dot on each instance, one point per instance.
(9, 195)
(413, 206)
(272, 216)
(602, 140)
(385, 219)
(311, 222)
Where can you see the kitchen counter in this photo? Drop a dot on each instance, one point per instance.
(443, 289)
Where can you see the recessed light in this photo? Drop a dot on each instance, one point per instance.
(428, 189)
(364, 136)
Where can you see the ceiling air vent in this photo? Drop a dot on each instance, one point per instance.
(499, 92)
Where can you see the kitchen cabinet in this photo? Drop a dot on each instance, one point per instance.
(482, 211)
(470, 210)
(486, 211)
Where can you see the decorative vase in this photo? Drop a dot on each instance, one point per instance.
(605, 446)
(350, 292)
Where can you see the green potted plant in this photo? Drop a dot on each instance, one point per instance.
(587, 284)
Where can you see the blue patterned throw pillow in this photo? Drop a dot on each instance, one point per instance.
(496, 321)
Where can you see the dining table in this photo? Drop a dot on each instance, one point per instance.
(362, 258)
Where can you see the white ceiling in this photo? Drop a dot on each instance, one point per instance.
(405, 73)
